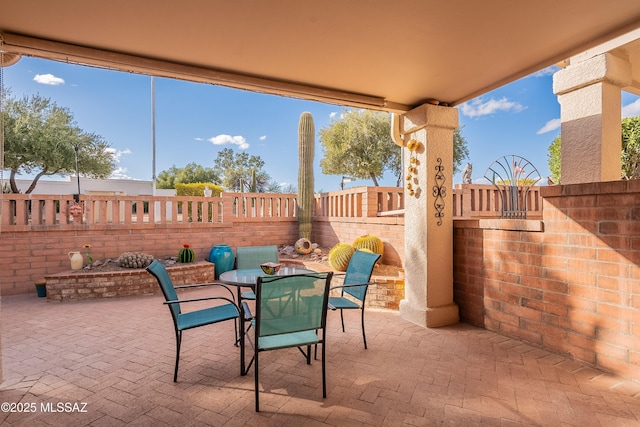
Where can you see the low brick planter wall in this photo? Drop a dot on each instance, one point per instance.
(386, 293)
(72, 285)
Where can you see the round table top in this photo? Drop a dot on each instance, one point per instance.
(248, 277)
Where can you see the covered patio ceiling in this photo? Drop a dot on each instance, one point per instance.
(387, 55)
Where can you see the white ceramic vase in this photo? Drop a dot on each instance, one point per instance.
(76, 260)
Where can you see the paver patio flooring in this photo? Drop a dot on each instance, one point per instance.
(117, 357)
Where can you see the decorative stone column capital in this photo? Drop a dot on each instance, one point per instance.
(428, 115)
(605, 67)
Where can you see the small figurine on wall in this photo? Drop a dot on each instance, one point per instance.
(466, 174)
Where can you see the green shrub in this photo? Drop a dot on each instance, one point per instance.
(197, 189)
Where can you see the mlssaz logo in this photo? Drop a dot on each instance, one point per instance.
(63, 407)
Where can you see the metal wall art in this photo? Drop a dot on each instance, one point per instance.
(513, 176)
(439, 191)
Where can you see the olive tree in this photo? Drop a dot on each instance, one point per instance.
(358, 143)
(42, 138)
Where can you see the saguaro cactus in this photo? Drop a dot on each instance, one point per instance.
(306, 145)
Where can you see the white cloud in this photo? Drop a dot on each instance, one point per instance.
(199, 139)
(546, 71)
(116, 154)
(631, 110)
(48, 79)
(333, 115)
(479, 107)
(228, 139)
(263, 137)
(549, 126)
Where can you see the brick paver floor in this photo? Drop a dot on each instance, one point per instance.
(116, 356)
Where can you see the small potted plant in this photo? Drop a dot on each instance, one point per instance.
(186, 254)
(89, 257)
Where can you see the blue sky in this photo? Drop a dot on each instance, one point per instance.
(194, 121)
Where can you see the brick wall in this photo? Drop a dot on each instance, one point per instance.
(570, 283)
(27, 256)
(328, 231)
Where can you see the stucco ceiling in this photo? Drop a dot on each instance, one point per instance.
(393, 55)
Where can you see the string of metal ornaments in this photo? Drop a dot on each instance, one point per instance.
(412, 176)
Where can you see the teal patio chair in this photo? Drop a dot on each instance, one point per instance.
(355, 286)
(250, 257)
(300, 322)
(228, 310)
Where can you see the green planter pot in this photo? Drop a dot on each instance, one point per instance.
(41, 288)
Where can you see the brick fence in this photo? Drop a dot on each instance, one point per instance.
(570, 283)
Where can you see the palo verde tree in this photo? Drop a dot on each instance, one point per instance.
(190, 174)
(358, 143)
(241, 172)
(629, 155)
(41, 138)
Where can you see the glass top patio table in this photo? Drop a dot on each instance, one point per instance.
(249, 277)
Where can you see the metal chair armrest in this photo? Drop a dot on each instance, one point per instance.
(247, 311)
(351, 286)
(180, 301)
(199, 285)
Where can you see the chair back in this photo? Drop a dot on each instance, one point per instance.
(249, 257)
(287, 304)
(166, 284)
(359, 271)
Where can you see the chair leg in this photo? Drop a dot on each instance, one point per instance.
(364, 337)
(235, 326)
(342, 319)
(178, 342)
(324, 375)
(255, 370)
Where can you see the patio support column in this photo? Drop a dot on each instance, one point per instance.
(590, 112)
(428, 217)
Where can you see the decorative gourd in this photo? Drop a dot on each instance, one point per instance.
(373, 243)
(340, 255)
(303, 246)
(306, 144)
(186, 254)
